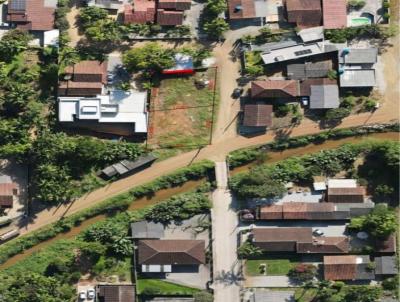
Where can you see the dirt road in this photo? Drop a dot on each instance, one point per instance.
(225, 138)
(72, 16)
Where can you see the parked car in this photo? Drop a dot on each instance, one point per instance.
(82, 295)
(237, 92)
(318, 232)
(91, 293)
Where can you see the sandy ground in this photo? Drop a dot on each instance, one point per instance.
(73, 32)
(225, 137)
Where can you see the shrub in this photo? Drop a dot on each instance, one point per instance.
(248, 250)
(282, 110)
(369, 105)
(303, 272)
(337, 114)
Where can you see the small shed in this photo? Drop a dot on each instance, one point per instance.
(386, 266)
(257, 115)
(183, 65)
(126, 167)
(7, 192)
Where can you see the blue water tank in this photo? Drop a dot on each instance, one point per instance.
(345, 51)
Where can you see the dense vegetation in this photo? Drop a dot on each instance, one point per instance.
(99, 250)
(268, 180)
(372, 31)
(211, 21)
(121, 202)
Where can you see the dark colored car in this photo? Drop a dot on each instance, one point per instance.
(237, 92)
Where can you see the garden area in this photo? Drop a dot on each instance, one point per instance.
(150, 287)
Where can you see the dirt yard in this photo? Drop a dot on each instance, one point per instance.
(180, 112)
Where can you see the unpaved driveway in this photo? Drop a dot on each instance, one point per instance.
(72, 18)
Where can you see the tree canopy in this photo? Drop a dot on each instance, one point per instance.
(151, 57)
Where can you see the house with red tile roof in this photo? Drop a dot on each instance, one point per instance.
(304, 13)
(32, 15)
(275, 89)
(143, 11)
(164, 12)
(334, 14)
(85, 78)
(348, 268)
(297, 239)
(257, 115)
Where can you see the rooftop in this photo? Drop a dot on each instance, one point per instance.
(117, 107)
(170, 252)
(358, 56)
(257, 115)
(305, 13)
(386, 265)
(147, 230)
(167, 17)
(358, 78)
(342, 183)
(311, 34)
(241, 9)
(334, 13)
(346, 267)
(324, 96)
(274, 89)
(116, 293)
(300, 234)
(182, 63)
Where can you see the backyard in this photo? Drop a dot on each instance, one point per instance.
(181, 111)
(274, 266)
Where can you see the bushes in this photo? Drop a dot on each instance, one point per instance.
(179, 208)
(303, 272)
(244, 156)
(121, 202)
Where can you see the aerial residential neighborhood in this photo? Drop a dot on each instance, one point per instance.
(199, 151)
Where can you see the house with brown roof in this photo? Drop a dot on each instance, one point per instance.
(7, 193)
(85, 78)
(32, 15)
(164, 255)
(348, 268)
(304, 13)
(297, 239)
(334, 14)
(257, 115)
(275, 89)
(142, 12)
(247, 12)
(346, 195)
(162, 12)
(115, 293)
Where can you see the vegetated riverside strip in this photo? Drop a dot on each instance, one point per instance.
(196, 171)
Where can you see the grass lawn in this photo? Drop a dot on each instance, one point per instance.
(275, 267)
(181, 113)
(163, 287)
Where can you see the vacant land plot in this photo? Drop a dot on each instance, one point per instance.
(274, 267)
(181, 111)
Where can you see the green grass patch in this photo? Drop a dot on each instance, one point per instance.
(157, 286)
(275, 267)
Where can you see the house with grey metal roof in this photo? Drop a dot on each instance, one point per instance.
(356, 67)
(105, 4)
(311, 34)
(147, 230)
(386, 266)
(324, 97)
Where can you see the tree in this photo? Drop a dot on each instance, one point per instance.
(215, 7)
(303, 272)
(248, 250)
(380, 223)
(104, 31)
(12, 43)
(216, 28)
(91, 14)
(337, 114)
(362, 293)
(152, 57)
(32, 287)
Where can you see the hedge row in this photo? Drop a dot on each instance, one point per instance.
(244, 156)
(120, 202)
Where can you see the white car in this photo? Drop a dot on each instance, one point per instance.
(91, 294)
(82, 295)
